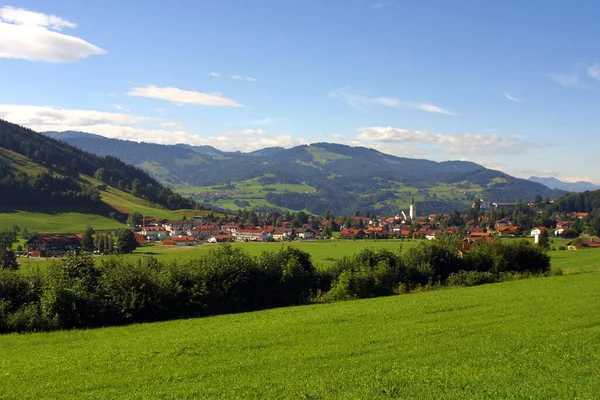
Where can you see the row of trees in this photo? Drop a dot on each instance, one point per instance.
(76, 292)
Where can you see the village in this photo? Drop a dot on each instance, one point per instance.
(200, 230)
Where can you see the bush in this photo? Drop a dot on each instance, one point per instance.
(73, 295)
(471, 278)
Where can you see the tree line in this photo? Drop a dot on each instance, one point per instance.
(75, 292)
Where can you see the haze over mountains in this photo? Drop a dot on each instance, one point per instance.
(314, 177)
(554, 183)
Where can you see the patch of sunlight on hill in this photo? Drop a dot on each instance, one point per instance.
(128, 203)
(20, 163)
(322, 156)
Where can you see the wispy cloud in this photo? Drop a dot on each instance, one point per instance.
(463, 144)
(234, 76)
(181, 96)
(566, 80)
(511, 98)
(593, 71)
(434, 109)
(34, 36)
(121, 108)
(363, 102)
(138, 128)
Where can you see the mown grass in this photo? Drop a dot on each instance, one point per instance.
(535, 338)
(55, 220)
(127, 203)
(322, 252)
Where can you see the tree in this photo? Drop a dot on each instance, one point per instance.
(544, 240)
(134, 219)
(87, 241)
(136, 187)
(8, 258)
(126, 242)
(101, 174)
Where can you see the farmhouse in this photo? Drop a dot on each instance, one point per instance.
(251, 235)
(352, 234)
(154, 233)
(306, 233)
(204, 231)
(178, 228)
(508, 231)
(281, 234)
(231, 228)
(52, 245)
(180, 241)
(219, 239)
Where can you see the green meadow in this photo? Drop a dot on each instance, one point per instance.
(55, 220)
(533, 338)
(322, 252)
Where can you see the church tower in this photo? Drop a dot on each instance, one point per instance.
(413, 209)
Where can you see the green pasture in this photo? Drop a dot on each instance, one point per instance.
(532, 338)
(322, 252)
(55, 220)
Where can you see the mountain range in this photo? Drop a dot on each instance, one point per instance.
(316, 177)
(554, 183)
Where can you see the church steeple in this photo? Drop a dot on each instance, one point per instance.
(413, 209)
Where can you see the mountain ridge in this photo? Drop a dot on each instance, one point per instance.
(342, 178)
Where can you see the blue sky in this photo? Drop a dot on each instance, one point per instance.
(511, 85)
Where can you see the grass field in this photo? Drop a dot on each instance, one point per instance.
(322, 252)
(55, 220)
(534, 338)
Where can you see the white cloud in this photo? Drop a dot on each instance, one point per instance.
(434, 109)
(511, 98)
(363, 102)
(138, 128)
(235, 77)
(171, 124)
(53, 117)
(463, 144)
(34, 36)
(573, 179)
(122, 108)
(180, 96)
(566, 80)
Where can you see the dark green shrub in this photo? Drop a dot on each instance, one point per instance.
(470, 278)
(72, 294)
(135, 290)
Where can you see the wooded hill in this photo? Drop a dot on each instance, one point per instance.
(36, 170)
(340, 178)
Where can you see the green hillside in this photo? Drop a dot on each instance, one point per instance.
(48, 191)
(507, 340)
(343, 179)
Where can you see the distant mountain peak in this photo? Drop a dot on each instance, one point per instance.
(555, 183)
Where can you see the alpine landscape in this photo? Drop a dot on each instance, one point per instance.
(342, 199)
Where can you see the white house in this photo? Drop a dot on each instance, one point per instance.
(251, 235)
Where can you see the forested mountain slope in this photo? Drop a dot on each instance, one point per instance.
(341, 178)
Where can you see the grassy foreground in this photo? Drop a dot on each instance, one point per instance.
(535, 338)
